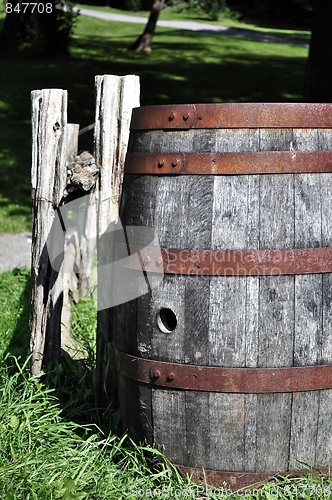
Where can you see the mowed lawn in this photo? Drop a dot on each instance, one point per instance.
(184, 67)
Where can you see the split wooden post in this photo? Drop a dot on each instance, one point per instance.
(70, 280)
(48, 178)
(115, 98)
(72, 132)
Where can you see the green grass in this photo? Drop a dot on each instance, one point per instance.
(84, 325)
(50, 445)
(184, 67)
(46, 456)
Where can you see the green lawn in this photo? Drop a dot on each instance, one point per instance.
(184, 67)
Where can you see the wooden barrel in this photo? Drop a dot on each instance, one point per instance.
(226, 365)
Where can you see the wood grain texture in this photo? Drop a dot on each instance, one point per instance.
(324, 444)
(193, 228)
(237, 321)
(309, 302)
(72, 131)
(115, 98)
(48, 178)
(71, 282)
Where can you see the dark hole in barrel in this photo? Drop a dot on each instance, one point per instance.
(166, 320)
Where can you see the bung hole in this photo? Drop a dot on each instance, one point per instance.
(166, 320)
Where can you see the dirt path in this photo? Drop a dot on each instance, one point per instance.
(15, 251)
(194, 26)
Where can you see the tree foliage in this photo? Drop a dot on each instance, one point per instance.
(131, 4)
(44, 29)
(292, 12)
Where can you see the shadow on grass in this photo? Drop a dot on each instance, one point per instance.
(18, 344)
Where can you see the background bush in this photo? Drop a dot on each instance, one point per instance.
(291, 12)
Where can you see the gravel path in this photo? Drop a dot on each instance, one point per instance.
(194, 26)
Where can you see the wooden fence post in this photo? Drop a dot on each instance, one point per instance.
(70, 280)
(72, 132)
(48, 178)
(115, 98)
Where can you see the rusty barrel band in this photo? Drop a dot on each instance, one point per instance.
(232, 115)
(261, 162)
(221, 379)
(241, 480)
(225, 262)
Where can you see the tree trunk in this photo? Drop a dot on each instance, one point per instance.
(319, 68)
(143, 42)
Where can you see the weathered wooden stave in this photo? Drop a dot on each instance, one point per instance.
(237, 321)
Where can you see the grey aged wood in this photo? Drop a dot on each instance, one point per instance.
(72, 131)
(48, 178)
(235, 321)
(71, 252)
